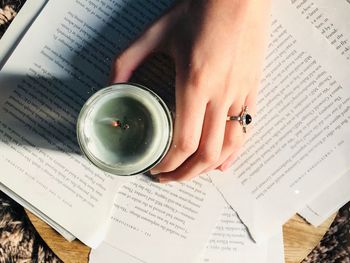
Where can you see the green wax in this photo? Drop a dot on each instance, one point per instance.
(124, 129)
(128, 142)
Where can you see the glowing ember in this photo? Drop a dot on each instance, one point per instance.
(116, 123)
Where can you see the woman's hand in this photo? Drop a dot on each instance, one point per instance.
(218, 48)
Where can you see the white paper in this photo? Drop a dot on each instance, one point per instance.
(331, 20)
(19, 25)
(68, 236)
(153, 222)
(300, 142)
(107, 253)
(275, 248)
(328, 202)
(230, 242)
(63, 58)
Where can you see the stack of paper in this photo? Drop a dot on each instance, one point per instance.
(295, 161)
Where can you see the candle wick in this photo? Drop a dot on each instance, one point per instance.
(118, 123)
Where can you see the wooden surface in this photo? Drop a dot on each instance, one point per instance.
(299, 239)
(67, 251)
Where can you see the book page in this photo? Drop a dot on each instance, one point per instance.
(331, 20)
(275, 248)
(230, 242)
(61, 61)
(107, 253)
(328, 202)
(162, 223)
(300, 137)
(19, 25)
(62, 231)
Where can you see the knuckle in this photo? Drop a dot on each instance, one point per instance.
(169, 168)
(209, 157)
(197, 79)
(187, 146)
(234, 143)
(252, 81)
(118, 62)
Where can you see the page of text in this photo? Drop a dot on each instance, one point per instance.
(328, 202)
(154, 222)
(230, 242)
(300, 142)
(62, 60)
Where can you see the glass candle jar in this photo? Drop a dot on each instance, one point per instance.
(125, 129)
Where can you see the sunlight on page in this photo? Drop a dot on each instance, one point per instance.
(300, 140)
(328, 202)
(154, 220)
(228, 242)
(71, 45)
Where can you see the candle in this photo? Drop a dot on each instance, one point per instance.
(124, 129)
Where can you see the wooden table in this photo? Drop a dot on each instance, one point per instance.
(299, 239)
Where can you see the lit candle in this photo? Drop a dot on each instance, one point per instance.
(124, 129)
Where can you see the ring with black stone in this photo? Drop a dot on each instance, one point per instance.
(244, 118)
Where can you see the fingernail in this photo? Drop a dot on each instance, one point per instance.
(153, 177)
(206, 170)
(210, 169)
(154, 171)
(164, 180)
(225, 166)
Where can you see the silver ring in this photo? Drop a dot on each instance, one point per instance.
(244, 118)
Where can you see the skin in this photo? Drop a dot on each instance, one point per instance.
(218, 48)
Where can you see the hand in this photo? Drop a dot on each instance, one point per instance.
(218, 48)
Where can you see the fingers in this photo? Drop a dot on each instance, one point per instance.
(187, 130)
(209, 149)
(234, 136)
(219, 144)
(203, 138)
(250, 100)
(234, 141)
